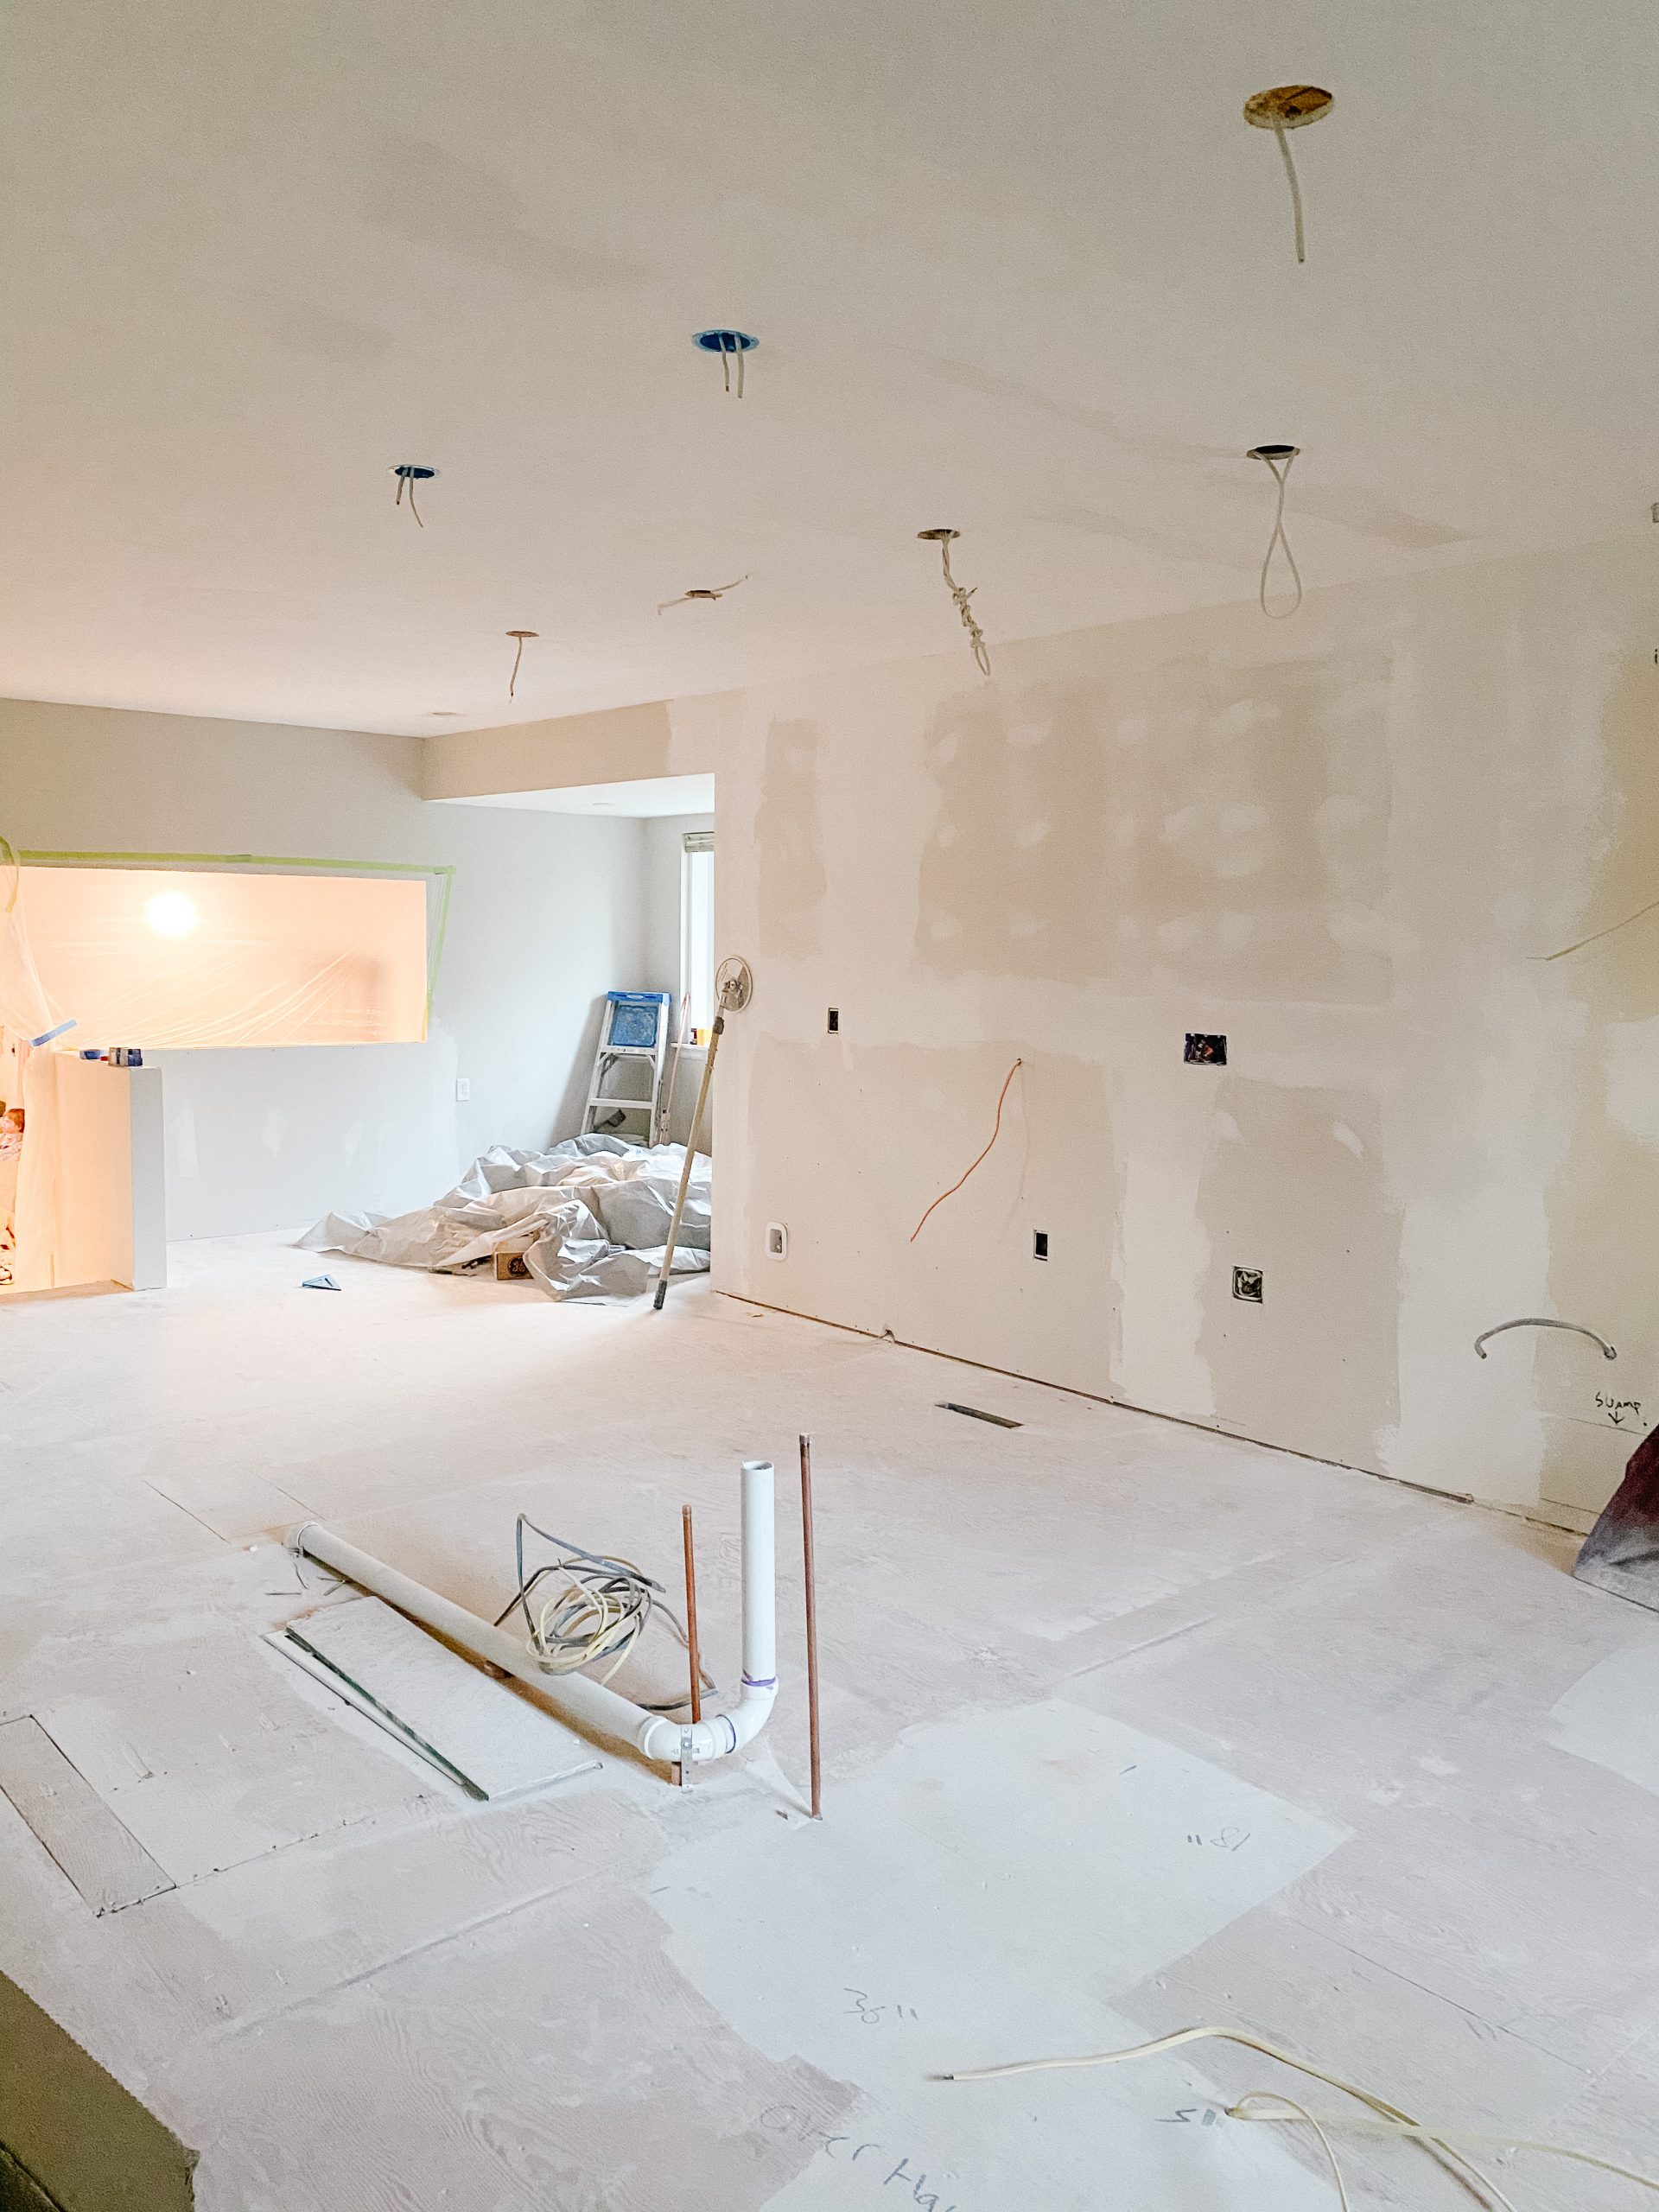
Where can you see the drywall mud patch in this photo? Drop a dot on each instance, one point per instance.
(1607, 1170)
(1126, 529)
(1018, 841)
(789, 840)
(1316, 1365)
(937, 1836)
(1363, 512)
(423, 194)
(1250, 827)
(1149, 445)
(1191, 824)
(907, 1933)
(1607, 1715)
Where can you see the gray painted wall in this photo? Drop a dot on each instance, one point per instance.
(662, 953)
(547, 915)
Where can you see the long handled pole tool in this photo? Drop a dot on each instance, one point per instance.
(734, 986)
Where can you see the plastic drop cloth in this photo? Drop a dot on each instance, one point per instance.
(590, 1217)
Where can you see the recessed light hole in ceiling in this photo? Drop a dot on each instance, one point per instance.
(705, 592)
(1277, 459)
(976, 636)
(1289, 107)
(520, 635)
(731, 346)
(409, 474)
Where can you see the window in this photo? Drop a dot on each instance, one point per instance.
(167, 959)
(697, 931)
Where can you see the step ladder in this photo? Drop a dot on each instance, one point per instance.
(634, 1036)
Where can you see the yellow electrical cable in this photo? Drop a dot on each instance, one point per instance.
(1237, 2112)
(1468, 2135)
(1391, 2119)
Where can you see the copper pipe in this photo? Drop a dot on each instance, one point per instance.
(811, 1625)
(692, 1616)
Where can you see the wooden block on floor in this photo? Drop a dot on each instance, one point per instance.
(107, 1866)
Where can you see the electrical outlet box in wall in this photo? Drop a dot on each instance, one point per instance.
(1204, 1051)
(1247, 1285)
(777, 1241)
(463, 1088)
(1040, 1244)
(833, 1023)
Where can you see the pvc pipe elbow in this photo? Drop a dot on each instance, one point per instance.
(672, 1742)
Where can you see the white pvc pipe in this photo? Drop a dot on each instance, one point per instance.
(591, 1706)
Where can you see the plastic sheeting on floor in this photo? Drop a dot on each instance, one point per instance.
(590, 1218)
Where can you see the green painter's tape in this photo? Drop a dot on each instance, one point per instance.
(227, 860)
(438, 936)
(445, 876)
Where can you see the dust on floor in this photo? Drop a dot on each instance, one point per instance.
(1127, 1727)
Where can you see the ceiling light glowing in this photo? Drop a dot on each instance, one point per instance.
(171, 913)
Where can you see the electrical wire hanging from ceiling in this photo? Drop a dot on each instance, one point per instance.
(513, 681)
(976, 636)
(1277, 460)
(702, 592)
(409, 474)
(731, 346)
(1289, 107)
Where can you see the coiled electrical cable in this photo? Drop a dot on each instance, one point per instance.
(600, 1608)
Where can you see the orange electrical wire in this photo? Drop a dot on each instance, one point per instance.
(962, 1178)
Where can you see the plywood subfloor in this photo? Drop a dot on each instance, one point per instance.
(1128, 1727)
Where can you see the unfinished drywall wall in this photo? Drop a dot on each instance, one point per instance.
(545, 917)
(1340, 842)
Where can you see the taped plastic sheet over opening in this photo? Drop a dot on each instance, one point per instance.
(590, 1218)
(181, 959)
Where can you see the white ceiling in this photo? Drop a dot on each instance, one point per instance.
(1023, 269)
(647, 798)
